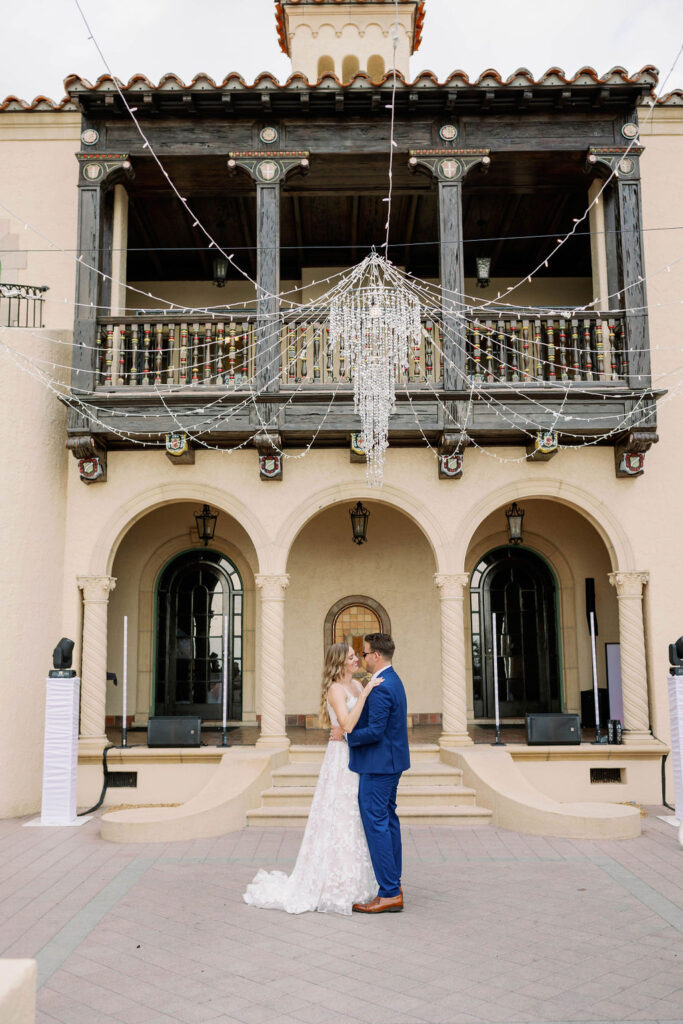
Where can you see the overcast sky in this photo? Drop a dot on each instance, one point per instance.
(45, 40)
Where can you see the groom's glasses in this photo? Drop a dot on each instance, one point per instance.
(366, 654)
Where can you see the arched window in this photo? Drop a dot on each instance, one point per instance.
(520, 588)
(351, 618)
(350, 67)
(197, 590)
(325, 66)
(376, 68)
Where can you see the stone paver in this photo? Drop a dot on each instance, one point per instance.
(498, 927)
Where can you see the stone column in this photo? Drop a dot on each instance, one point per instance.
(272, 643)
(629, 587)
(453, 675)
(96, 590)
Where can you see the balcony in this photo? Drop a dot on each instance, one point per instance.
(21, 305)
(524, 349)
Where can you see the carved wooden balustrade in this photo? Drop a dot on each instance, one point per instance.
(520, 348)
(526, 348)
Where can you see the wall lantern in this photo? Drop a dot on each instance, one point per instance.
(483, 271)
(206, 524)
(359, 523)
(515, 515)
(220, 271)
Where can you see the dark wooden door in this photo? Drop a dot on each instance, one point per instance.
(196, 591)
(519, 587)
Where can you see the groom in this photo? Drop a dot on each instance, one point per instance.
(378, 752)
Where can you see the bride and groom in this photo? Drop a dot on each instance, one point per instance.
(350, 856)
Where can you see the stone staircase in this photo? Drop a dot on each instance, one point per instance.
(430, 793)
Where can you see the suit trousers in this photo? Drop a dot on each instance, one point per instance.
(377, 802)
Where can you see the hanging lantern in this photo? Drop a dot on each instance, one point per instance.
(206, 524)
(220, 271)
(359, 522)
(375, 322)
(515, 516)
(483, 271)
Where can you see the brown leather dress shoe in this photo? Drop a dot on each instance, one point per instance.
(381, 905)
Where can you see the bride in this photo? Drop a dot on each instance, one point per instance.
(333, 869)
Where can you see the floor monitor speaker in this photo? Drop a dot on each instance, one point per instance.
(174, 731)
(552, 728)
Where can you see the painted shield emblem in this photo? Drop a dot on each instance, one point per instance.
(176, 444)
(89, 469)
(268, 170)
(450, 169)
(271, 465)
(451, 465)
(546, 442)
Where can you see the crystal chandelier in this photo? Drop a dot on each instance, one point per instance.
(375, 321)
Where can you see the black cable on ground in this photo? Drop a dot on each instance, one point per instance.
(105, 780)
(665, 804)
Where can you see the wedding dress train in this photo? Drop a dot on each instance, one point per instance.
(333, 869)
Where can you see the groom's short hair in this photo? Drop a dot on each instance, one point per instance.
(381, 643)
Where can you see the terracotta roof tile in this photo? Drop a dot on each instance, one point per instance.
(171, 83)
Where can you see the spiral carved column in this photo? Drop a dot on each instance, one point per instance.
(453, 675)
(629, 587)
(273, 730)
(96, 590)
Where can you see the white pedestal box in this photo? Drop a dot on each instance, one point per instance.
(675, 684)
(60, 758)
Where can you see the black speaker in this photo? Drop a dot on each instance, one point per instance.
(174, 732)
(552, 729)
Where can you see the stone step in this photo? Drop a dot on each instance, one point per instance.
(296, 817)
(303, 753)
(411, 796)
(424, 773)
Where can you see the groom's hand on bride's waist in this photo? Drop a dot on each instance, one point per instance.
(336, 733)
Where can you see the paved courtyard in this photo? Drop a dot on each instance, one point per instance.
(497, 927)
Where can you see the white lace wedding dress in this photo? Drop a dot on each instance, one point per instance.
(333, 869)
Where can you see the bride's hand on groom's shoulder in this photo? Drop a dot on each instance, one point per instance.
(373, 683)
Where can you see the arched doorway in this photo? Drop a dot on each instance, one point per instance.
(196, 590)
(519, 587)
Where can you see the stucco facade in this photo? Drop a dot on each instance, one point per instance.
(80, 557)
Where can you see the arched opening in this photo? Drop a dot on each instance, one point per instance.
(143, 553)
(325, 66)
(199, 595)
(336, 584)
(350, 67)
(376, 68)
(564, 555)
(519, 588)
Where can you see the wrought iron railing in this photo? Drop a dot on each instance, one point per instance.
(21, 305)
(147, 351)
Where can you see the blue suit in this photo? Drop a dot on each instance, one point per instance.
(379, 753)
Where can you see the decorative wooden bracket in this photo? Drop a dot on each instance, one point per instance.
(543, 446)
(449, 164)
(178, 449)
(91, 458)
(630, 450)
(608, 159)
(452, 455)
(268, 167)
(357, 448)
(270, 460)
(103, 168)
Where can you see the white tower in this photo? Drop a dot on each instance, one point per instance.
(344, 37)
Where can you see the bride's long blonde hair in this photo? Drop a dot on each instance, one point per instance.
(333, 670)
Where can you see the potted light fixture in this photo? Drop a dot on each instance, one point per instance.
(515, 516)
(220, 271)
(359, 523)
(483, 271)
(206, 524)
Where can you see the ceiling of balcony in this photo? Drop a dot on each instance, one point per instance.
(331, 217)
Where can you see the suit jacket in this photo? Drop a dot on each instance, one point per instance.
(379, 742)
